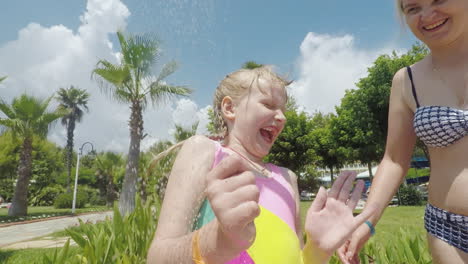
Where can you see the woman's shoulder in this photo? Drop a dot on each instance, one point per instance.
(416, 69)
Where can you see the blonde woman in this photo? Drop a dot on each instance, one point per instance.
(429, 100)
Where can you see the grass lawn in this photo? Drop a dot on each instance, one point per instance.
(26, 256)
(394, 218)
(35, 212)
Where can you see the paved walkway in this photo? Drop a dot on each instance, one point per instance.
(9, 236)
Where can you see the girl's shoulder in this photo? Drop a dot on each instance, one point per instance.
(199, 146)
(287, 174)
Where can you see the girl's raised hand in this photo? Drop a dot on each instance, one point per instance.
(233, 196)
(330, 221)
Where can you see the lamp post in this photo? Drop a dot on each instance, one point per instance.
(76, 175)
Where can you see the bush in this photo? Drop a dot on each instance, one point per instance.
(46, 196)
(410, 195)
(123, 240)
(6, 189)
(93, 195)
(407, 248)
(65, 200)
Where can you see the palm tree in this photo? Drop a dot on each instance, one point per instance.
(108, 166)
(132, 83)
(182, 133)
(75, 101)
(251, 65)
(26, 117)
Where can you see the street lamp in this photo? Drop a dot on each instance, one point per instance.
(76, 175)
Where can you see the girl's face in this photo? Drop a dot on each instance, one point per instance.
(436, 22)
(259, 117)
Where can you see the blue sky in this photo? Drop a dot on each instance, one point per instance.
(324, 45)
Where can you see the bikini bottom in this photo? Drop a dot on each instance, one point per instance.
(446, 226)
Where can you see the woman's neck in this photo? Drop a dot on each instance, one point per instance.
(452, 55)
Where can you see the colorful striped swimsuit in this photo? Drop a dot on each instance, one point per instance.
(276, 241)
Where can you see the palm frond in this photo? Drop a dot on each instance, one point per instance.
(168, 69)
(6, 109)
(162, 92)
(139, 52)
(2, 78)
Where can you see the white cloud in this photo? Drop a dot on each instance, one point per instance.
(328, 66)
(187, 113)
(44, 59)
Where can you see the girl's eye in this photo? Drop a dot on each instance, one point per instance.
(267, 105)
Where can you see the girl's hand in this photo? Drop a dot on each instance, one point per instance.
(330, 221)
(233, 196)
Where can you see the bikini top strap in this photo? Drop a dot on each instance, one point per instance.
(413, 88)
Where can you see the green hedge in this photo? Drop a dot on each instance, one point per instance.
(65, 200)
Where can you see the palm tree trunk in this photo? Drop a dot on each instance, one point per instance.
(129, 187)
(110, 191)
(70, 130)
(369, 167)
(19, 205)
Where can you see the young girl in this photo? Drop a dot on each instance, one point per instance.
(224, 205)
(429, 100)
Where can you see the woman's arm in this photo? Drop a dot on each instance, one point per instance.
(401, 139)
(392, 169)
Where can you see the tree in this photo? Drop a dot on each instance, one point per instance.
(329, 154)
(362, 117)
(293, 148)
(251, 65)
(75, 101)
(130, 81)
(25, 117)
(108, 166)
(181, 133)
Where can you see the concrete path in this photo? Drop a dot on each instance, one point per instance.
(24, 232)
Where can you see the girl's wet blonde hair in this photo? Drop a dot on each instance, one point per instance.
(238, 84)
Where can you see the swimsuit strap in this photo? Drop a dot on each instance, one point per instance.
(413, 88)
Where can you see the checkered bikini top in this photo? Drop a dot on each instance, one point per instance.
(438, 126)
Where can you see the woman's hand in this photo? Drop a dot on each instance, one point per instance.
(233, 196)
(330, 221)
(348, 253)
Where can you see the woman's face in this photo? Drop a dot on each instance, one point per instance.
(436, 22)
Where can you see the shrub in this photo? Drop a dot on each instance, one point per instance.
(410, 195)
(6, 189)
(65, 200)
(93, 195)
(46, 196)
(407, 248)
(120, 240)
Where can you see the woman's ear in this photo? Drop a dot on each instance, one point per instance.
(228, 108)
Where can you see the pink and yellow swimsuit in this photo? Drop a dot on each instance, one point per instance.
(276, 240)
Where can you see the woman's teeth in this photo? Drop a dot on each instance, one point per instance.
(432, 26)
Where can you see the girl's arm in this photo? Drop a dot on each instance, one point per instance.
(231, 190)
(183, 197)
(311, 253)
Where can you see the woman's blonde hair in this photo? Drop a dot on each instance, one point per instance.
(238, 84)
